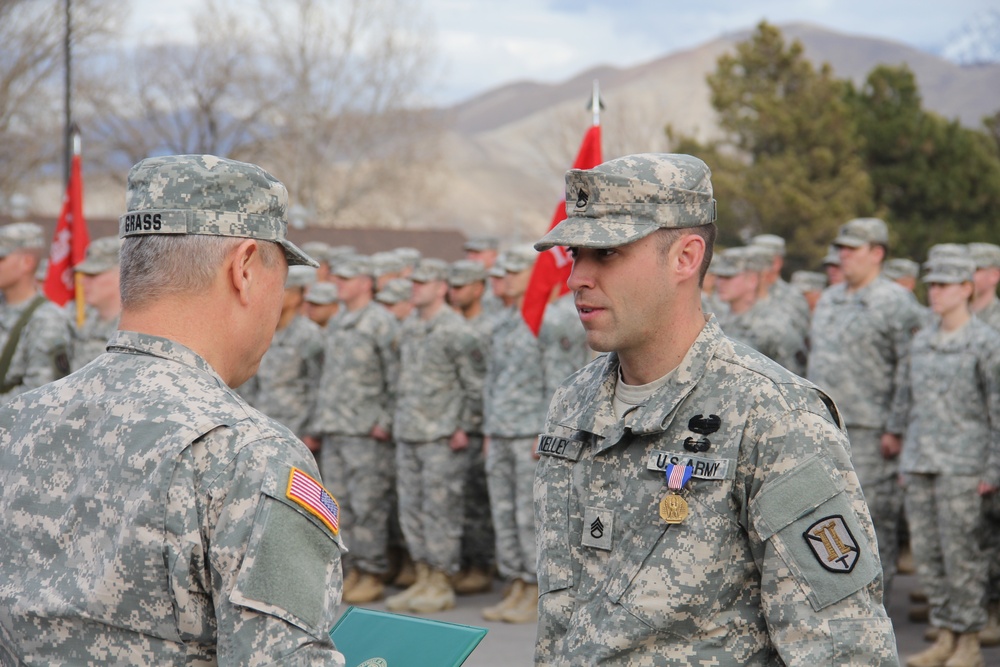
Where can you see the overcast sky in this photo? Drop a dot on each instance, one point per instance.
(484, 43)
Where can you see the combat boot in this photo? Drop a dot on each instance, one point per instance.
(526, 609)
(967, 652)
(407, 575)
(368, 589)
(351, 580)
(474, 580)
(401, 601)
(937, 654)
(437, 595)
(990, 634)
(510, 599)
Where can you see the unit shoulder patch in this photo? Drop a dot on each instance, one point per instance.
(833, 544)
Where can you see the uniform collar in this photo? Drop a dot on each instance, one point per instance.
(131, 342)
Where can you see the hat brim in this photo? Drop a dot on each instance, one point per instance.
(578, 232)
(93, 268)
(296, 256)
(945, 279)
(850, 241)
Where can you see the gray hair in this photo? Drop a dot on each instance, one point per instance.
(156, 266)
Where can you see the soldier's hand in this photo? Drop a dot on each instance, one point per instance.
(458, 441)
(987, 489)
(891, 445)
(486, 445)
(312, 443)
(380, 433)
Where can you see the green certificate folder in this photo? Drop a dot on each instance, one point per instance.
(372, 638)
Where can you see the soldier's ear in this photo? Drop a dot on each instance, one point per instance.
(242, 267)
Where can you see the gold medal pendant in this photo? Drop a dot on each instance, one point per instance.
(673, 508)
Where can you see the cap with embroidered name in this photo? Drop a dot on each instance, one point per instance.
(862, 231)
(207, 195)
(102, 255)
(430, 269)
(395, 291)
(465, 272)
(628, 198)
(322, 294)
(21, 236)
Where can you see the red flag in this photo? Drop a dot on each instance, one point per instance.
(553, 266)
(69, 245)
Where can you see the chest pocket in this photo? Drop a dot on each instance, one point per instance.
(676, 578)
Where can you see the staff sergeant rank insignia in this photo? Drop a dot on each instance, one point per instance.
(833, 544)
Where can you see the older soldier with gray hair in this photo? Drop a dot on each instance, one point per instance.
(695, 501)
(34, 332)
(149, 515)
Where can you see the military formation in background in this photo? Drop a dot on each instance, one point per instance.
(421, 392)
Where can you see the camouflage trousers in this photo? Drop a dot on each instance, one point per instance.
(946, 524)
(358, 471)
(477, 534)
(430, 480)
(991, 543)
(879, 480)
(510, 474)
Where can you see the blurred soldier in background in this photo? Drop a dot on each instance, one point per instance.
(103, 298)
(321, 303)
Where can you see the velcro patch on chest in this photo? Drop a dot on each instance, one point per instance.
(702, 467)
(309, 494)
(598, 526)
(564, 448)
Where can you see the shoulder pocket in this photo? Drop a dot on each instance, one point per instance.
(812, 525)
(292, 568)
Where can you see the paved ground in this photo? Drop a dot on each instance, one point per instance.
(508, 645)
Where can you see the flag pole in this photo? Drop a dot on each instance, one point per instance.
(595, 103)
(81, 313)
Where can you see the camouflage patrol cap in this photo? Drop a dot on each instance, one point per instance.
(465, 272)
(300, 276)
(985, 255)
(942, 250)
(322, 294)
(949, 269)
(628, 198)
(386, 262)
(497, 270)
(409, 256)
(430, 270)
(208, 195)
(808, 281)
(862, 231)
(481, 243)
(21, 236)
(102, 255)
(351, 265)
(772, 242)
(744, 259)
(341, 250)
(519, 258)
(832, 257)
(900, 267)
(396, 290)
(318, 250)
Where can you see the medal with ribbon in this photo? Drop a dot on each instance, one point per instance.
(673, 507)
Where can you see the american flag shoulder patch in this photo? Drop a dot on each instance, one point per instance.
(313, 498)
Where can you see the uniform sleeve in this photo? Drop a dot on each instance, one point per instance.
(906, 323)
(988, 368)
(471, 367)
(45, 342)
(273, 561)
(902, 397)
(312, 361)
(385, 347)
(814, 544)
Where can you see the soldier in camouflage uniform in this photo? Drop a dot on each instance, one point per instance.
(395, 295)
(486, 250)
(781, 293)
(34, 332)
(522, 375)
(831, 267)
(902, 271)
(758, 322)
(439, 401)
(285, 385)
(861, 331)
(319, 251)
(951, 460)
(466, 287)
(386, 266)
(756, 547)
(811, 284)
(103, 298)
(167, 522)
(321, 303)
(354, 417)
(986, 307)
